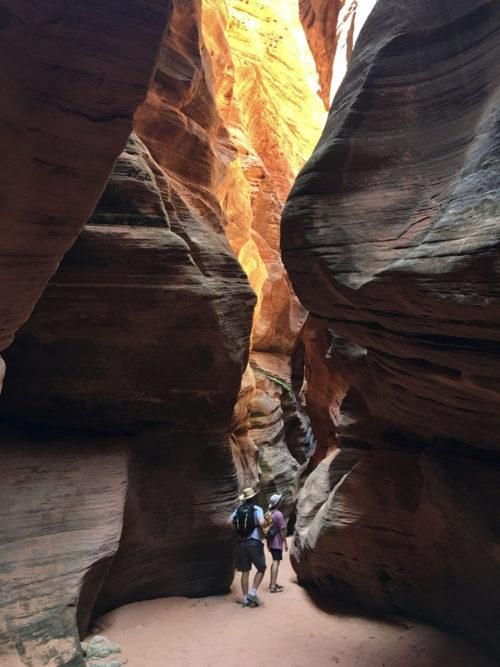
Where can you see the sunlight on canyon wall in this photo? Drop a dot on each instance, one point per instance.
(266, 89)
(332, 28)
(265, 86)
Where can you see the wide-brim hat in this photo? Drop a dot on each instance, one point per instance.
(247, 494)
(274, 499)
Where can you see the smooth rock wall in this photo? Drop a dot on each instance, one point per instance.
(391, 237)
(62, 500)
(136, 336)
(72, 77)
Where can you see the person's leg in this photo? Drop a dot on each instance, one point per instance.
(257, 580)
(245, 576)
(277, 555)
(274, 573)
(243, 564)
(256, 552)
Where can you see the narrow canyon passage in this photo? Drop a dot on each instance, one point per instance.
(295, 628)
(249, 245)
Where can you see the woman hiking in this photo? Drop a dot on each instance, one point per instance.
(276, 539)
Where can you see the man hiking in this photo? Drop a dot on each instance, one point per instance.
(248, 521)
(276, 539)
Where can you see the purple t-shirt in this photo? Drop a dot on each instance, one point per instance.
(279, 522)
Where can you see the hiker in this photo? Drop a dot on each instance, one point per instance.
(276, 540)
(248, 520)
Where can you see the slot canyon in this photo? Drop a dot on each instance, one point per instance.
(249, 243)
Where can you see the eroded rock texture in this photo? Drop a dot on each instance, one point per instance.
(72, 77)
(62, 504)
(391, 237)
(263, 80)
(332, 29)
(142, 334)
(100, 353)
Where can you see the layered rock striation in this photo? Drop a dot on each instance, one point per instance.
(390, 237)
(263, 78)
(332, 29)
(72, 79)
(135, 353)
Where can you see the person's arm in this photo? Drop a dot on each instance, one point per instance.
(283, 532)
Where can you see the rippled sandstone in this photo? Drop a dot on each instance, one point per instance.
(390, 236)
(261, 89)
(69, 94)
(125, 352)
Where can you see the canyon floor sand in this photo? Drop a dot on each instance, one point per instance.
(289, 629)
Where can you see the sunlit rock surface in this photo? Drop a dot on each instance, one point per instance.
(264, 78)
(332, 28)
(391, 236)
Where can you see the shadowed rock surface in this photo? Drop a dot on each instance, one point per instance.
(72, 76)
(143, 332)
(390, 236)
(61, 512)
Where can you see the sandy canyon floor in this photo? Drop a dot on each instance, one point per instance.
(288, 629)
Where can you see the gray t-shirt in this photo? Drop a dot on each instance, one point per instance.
(259, 516)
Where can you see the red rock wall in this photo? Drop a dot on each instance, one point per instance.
(332, 29)
(390, 235)
(263, 77)
(142, 336)
(72, 77)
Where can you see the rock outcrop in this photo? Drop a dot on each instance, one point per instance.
(138, 343)
(72, 77)
(332, 29)
(62, 500)
(99, 355)
(263, 79)
(390, 236)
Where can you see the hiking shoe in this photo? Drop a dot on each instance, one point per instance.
(254, 599)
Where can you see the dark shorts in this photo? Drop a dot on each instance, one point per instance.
(250, 552)
(277, 554)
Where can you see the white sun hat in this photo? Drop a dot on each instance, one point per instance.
(274, 499)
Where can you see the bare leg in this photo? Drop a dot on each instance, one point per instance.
(258, 579)
(244, 582)
(274, 573)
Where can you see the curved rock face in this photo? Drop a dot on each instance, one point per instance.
(141, 335)
(100, 354)
(72, 78)
(332, 28)
(390, 235)
(325, 387)
(263, 77)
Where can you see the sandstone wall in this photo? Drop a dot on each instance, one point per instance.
(263, 79)
(71, 80)
(332, 29)
(135, 351)
(390, 236)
